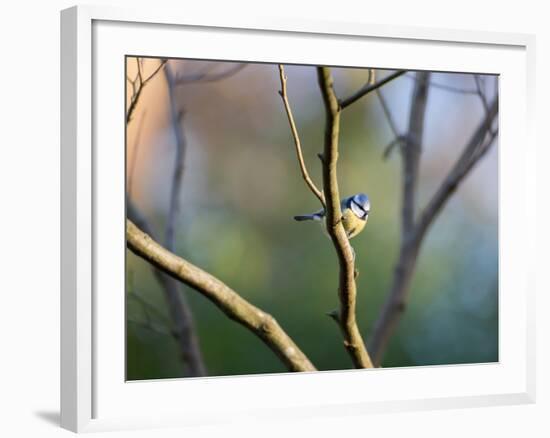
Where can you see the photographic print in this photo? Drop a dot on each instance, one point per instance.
(290, 218)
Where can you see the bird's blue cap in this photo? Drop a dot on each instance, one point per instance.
(362, 200)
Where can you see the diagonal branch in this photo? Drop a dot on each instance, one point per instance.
(369, 88)
(347, 289)
(475, 149)
(296, 137)
(230, 302)
(180, 312)
(398, 139)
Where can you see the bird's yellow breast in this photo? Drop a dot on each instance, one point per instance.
(352, 224)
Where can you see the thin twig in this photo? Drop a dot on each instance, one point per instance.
(398, 138)
(230, 302)
(387, 113)
(201, 77)
(296, 137)
(137, 87)
(482, 96)
(150, 327)
(445, 87)
(368, 88)
(148, 308)
(347, 290)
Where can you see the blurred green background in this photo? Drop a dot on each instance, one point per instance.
(241, 187)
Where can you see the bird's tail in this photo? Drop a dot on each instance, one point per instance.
(307, 217)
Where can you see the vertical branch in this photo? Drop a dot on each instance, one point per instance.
(409, 246)
(137, 142)
(411, 153)
(175, 296)
(347, 290)
(176, 121)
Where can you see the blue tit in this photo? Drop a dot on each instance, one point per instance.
(355, 213)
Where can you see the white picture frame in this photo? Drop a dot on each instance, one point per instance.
(93, 395)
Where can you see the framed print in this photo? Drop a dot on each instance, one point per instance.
(282, 218)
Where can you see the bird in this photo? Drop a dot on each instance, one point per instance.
(355, 213)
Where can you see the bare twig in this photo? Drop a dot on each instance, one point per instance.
(387, 113)
(296, 137)
(398, 138)
(372, 74)
(482, 96)
(137, 86)
(206, 76)
(152, 328)
(445, 87)
(148, 308)
(178, 307)
(230, 302)
(347, 290)
(368, 88)
(135, 154)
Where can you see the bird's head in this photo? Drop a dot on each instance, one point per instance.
(360, 205)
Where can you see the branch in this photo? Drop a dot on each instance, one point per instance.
(296, 137)
(387, 113)
(208, 77)
(368, 88)
(232, 304)
(395, 304)
(176, 120)
(445, 87)
(180, 312)
(478, 144)
(398, 138)
(137, 142)
(347, 290)
(411, 152)
(137, 87)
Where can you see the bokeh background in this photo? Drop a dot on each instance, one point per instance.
(242, 185)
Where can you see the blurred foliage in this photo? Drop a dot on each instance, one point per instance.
(241, 188)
